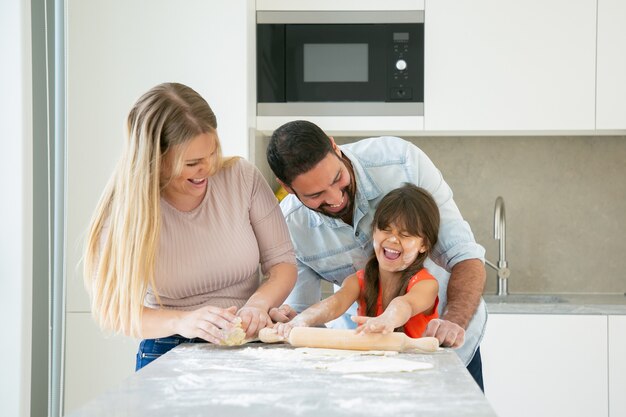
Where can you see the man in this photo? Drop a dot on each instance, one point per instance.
(334, 192)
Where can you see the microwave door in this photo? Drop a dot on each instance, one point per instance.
(335, 63)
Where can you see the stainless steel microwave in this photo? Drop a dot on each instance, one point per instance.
(340, 63)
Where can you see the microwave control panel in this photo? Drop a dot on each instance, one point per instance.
(403, 67)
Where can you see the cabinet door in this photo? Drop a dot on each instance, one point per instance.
(617, 366)
(611, 89)
(546, 365)
(510, 65)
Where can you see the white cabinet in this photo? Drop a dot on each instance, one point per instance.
(509, 65)
(611, 78)
(538, 67)
(617, 366)
(546, 365)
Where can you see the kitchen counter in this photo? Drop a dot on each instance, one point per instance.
(275, 380)
(587, 304)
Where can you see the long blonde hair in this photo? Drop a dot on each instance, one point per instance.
(121, 247)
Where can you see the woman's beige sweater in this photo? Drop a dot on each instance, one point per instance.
(210, 255)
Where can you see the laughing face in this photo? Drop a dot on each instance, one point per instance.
(186, 189)
(396, 248)
(327, 188)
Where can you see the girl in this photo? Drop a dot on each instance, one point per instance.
(394, 291)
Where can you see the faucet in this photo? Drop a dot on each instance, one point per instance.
(499, 233)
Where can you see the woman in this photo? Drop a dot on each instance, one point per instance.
(174, 245)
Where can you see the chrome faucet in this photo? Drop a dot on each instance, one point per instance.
(499, 233)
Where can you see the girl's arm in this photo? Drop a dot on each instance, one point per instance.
(419, 299)
(281, 279)
(326, 310)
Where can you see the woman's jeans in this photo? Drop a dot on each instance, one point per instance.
(150, 349)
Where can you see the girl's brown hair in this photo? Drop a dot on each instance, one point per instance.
(413, 209)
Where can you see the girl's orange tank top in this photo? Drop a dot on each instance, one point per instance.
(417, 324)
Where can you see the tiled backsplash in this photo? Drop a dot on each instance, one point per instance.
(565, 206)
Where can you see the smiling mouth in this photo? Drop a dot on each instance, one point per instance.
(334, 206)
(197, 181)
(391, 254)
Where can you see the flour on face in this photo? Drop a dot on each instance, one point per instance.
(410, 252)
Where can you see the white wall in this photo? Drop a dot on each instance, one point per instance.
(16, 207)
(117, 50)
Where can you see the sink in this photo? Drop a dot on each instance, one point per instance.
(524, 299)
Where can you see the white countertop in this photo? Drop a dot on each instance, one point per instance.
(590, 304)
(272, 380)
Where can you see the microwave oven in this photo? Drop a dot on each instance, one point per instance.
(340, 63)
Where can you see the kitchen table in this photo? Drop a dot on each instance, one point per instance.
(277, 380)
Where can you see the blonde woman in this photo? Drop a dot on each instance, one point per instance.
(174, 246)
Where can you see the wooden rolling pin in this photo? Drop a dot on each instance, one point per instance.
(346, 339)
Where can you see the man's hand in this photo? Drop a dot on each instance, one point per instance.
(448, 333)
(282, 314)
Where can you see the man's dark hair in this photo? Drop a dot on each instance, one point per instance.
(295, 148)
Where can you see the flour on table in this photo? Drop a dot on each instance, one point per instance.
(380, 365)
(335, 360)
(234, 336)
(272, 355)
(343, 352)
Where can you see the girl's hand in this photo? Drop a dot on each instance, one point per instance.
(253, 319)
(206, 323)
(283, 329)
(379, 324)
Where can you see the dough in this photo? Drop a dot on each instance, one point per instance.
(380, 365)
(234, 336)
(343, 352)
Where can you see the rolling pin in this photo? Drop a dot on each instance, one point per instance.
(346, 339)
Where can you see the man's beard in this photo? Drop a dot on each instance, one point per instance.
(348, 193)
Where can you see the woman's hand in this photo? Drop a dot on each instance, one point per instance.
(206, 323)
(253, 319)
(380, 324)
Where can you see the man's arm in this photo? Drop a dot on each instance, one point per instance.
(456, 251)
(465, 288)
